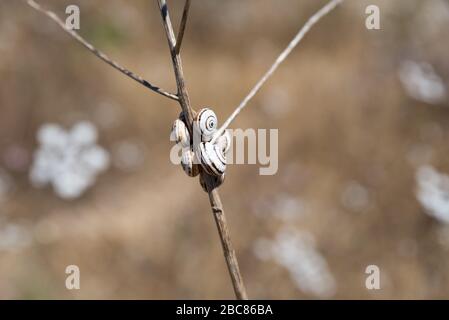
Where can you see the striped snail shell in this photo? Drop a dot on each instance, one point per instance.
(212, 158)
(206, 122)
(180, 134)
(187, 162)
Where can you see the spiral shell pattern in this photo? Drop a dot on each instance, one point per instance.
(211, 157)
(187, 162)
(206, 122)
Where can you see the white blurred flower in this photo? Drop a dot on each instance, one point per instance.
(433, 192)
(421, 82)
(68, 160)
(297, 253)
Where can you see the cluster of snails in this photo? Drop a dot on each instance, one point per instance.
(199, 150)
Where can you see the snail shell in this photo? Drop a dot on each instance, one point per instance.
(187, 162)
(212, 158)
(206, 122)
(180, 134)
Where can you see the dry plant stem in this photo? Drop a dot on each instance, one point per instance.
(228, 250)
(214, 197)
(182, 26)
(299, 36)
(98, 53)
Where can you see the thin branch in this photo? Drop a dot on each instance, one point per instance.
(214, 197)
(299, 36)
(182, 26)
(228, 250)
(177, 65)
(98, 53)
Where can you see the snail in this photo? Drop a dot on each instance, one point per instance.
(211, 156)
(180, 134)
(206, 123)
(187, 162)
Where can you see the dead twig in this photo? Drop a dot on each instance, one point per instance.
(183, 95)
(182, 26)
(98, 53)
(228, 250)
(214, 197)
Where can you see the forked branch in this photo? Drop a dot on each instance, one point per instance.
(182, 26)
(214, 197)
(177, 64)
(98, 53)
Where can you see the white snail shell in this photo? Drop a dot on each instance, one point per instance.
(180, 134)
(206, 122)
(187, 162)
(212, 158)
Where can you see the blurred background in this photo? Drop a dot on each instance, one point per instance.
(363, 119)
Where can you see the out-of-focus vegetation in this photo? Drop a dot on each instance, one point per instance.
(359, 146)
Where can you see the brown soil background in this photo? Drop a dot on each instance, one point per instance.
(342, 114)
